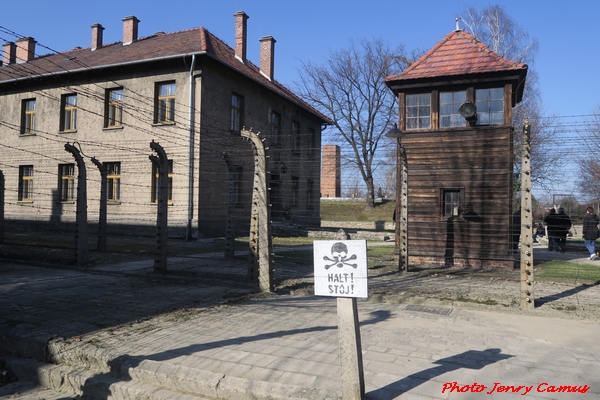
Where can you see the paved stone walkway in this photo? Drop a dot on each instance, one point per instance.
(418, 336)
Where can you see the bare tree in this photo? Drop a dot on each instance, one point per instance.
(589, 158)
(497, 30)
(350, 89)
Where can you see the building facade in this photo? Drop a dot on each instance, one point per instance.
(455, 119)
(187, 91)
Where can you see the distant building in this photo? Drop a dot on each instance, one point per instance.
(188, 91)
(455, 112)
(330, 171)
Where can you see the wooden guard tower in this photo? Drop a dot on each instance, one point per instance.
(455, 112)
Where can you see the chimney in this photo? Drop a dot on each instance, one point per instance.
(267, 56)
(130, 30)
(97, 30)
(25, 49)
(240, 35)
(9, 53)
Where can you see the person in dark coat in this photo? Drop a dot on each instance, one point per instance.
(590, 231)
(539, 232)
(563, 224)
(550, 221)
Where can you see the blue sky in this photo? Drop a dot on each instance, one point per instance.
(568, 33)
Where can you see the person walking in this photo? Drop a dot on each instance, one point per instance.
(590, 231)
(550, 221)
(563, 224)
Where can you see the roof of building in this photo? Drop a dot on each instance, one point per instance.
(154, 47)
(459, 53)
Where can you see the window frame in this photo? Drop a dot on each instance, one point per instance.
(68, 120)
(165, 115)
(312, 142)
(235, 185)
(66, 182)
(295, 191)
(310, 195)
(456, 120)
(488, 104)
(114, 108)
(275, 124)
(295, 137)
(154, 196)
(28, 117)
(457, 203)
(113, 181)
(237, 113)
(418, 107)
(25, 183)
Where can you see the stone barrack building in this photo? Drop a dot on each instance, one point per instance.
(187, 91)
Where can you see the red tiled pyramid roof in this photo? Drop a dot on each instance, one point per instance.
(459, 53)
(160, 45)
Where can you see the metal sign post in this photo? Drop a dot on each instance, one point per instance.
(341, 271)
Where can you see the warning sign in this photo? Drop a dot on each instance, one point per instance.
(340, 268)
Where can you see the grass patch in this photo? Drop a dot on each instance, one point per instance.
(567, 271)
(356, 211)
(301, 257)
(380, 251)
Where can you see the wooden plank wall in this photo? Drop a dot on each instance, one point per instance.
(479, 161)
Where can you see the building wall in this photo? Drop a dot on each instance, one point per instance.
(130, 145)
(477, 162)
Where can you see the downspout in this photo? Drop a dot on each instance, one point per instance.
(190, 205)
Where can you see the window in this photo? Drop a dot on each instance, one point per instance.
(450, 102)
(235, 186)
(276, 128)
(28, 117)
(452, 203)
(295, 137)
(295, 191)
(490, 106)
(26, 183)
(114, 114)
(418, 111)
(311, 142)
(310, 188)
(66, 175)
(69, 113)
(237, 112)
(155, 185)
(165, 103)
(113, 181)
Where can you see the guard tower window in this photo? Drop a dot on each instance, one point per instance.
(490, 106)
(418, 111)
(449, 105)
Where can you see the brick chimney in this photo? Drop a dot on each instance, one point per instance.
(130, 30)
(97, 30)
(331, 171)
(267, 56)
(240, 35)
(9, 53)
(25, 49)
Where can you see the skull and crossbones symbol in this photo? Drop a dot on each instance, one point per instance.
(339, 254)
